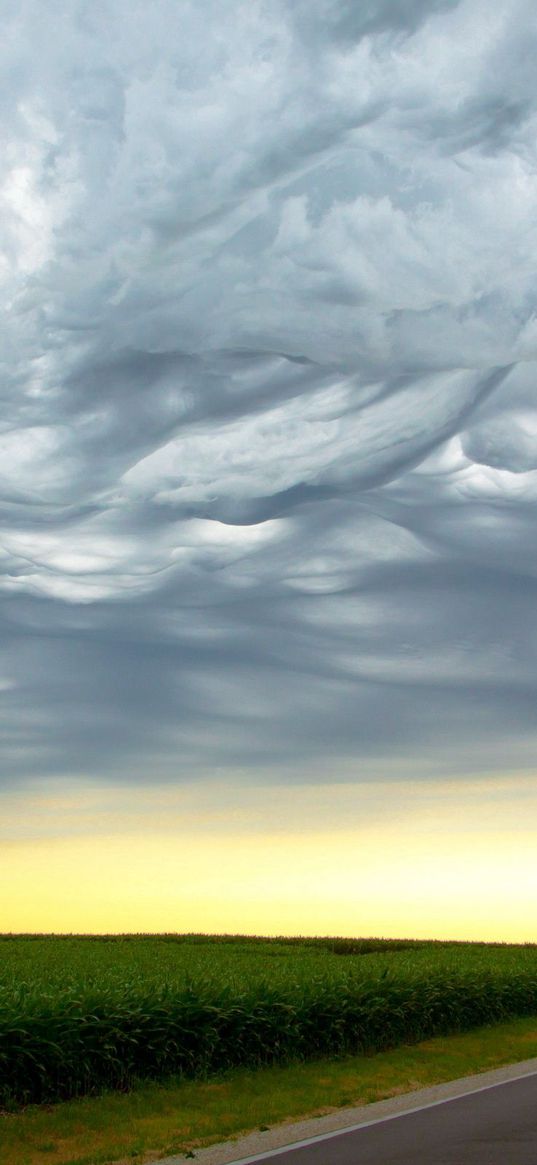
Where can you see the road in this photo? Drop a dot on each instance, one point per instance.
(493, 1126)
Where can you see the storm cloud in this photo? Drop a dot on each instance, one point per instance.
(268, 438)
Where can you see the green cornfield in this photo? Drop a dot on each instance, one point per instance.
(82, 1014)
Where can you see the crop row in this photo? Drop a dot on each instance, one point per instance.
(81, 1042)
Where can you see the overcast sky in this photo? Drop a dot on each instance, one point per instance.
(268, 437)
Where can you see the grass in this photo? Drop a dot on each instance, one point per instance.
(78, 1016)
(179, 1117)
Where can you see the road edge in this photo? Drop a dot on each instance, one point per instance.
(256, 1145)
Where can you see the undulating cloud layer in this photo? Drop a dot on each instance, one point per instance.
(268, 445)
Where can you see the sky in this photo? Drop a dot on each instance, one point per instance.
(268, 466)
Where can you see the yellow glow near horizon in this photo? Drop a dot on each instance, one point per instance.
(453, 860)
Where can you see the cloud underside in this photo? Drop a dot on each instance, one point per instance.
(268, 440)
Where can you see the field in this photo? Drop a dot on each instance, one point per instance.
(79, 1015)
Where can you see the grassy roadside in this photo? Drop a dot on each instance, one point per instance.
(158, 1120)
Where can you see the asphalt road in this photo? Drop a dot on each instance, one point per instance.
(494, 1126)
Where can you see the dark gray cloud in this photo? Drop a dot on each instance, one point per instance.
(268, 441)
